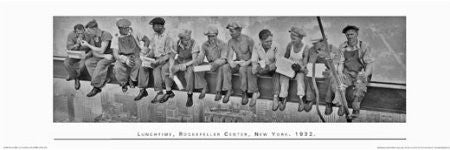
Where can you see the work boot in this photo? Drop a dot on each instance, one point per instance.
(301, 106)
(308, 106)
(255, 96)
(94, 92)
(355, 112)
(156, 99)
(283, 102)
(227, 97)
(202, 94)
(132, 83)
(124, 88)
(218, 96)
(341, 110)
(142, 93)
(328, 109)
(275, 103)
(77, 84)
(189, 101)
(167, 96)
(244, 98)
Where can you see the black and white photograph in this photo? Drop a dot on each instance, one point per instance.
(229, 69)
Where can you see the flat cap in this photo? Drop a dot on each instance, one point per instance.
(123, 23)
(185, 33)
(297, 31)
(234, 25)
(157, 20)
(91, 24)
(350, 27)
(212, 31)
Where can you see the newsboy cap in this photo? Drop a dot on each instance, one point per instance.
(350, 27)
(212, 31)
(157, 20)
(123, 23)
(185, 33)
(297, 31)
(234, 25)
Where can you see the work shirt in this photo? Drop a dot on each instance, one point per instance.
(185, 52)
(129, 44)
(242, 46)
(161, 44)
(72, 40)
(365, 53)
(104, 36)
(214, 50)
(296, 56)
(268, 56)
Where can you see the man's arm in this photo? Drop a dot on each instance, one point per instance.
(71, 44)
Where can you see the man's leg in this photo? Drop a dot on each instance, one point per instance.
(244, 84)
(284, 87)
(122, 74)
(200, 83)
(189, 77)
(69, 65)
(358, 95)
(168, 82)
(143, 80)
(134, 74)
(252, 86)
(99, 76)
(101, 73)
(73, 73)
(226, 81)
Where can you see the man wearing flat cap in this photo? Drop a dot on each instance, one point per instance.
(74, 43)
(127, 54)
(98, 64)
(355, 67)
(183, 64)
(242, 45)
(295, 51)
(216, 52)
(161, 48)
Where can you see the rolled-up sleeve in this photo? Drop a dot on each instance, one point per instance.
(255, 55)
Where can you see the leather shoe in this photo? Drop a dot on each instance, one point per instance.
(227, 97)
(156, 99)
(308, 106)
(244, 98)
(275, 103)
(355, 113)
(328, 109)
(142, 93)
(167, 96)
(218, 96)
(255, 96)
(341, 110)
(189, 101)
(202, 94)
(77, 84)
(94, 92)
(301, 106)
(283, 102)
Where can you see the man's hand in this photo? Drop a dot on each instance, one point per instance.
(130, 62)
(272, 66)
(219, 61)
(296, 67)
(255, 69)
(84, 43)
(183, 67)
(304, 69)
(233, 64)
